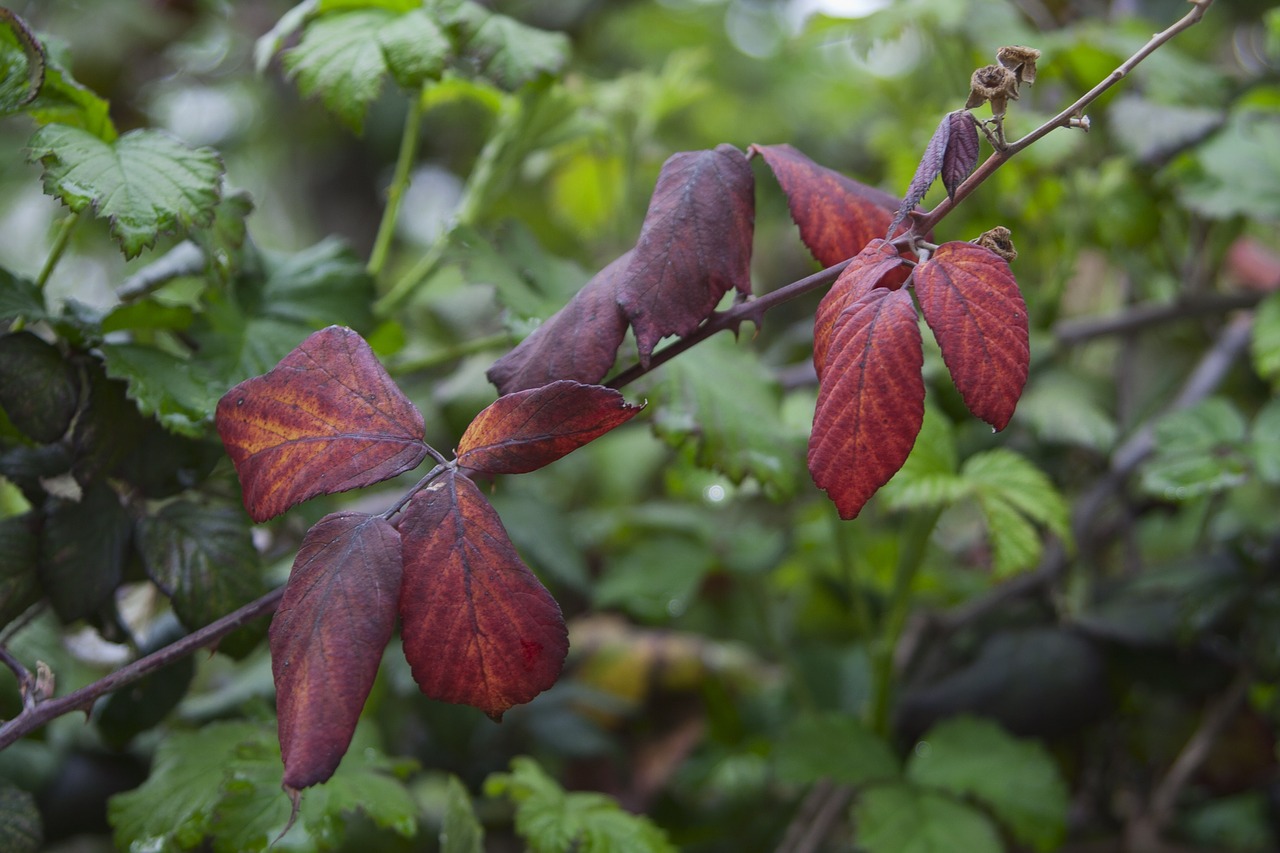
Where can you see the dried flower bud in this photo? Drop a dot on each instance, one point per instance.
(1021, 60)
(998, 240)
(993, 83)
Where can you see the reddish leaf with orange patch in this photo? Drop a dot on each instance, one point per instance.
(870, 400)
(578, 342)
(478, 627)
(695, 245)
(524, 431)
(326, 419)
(971, 301)
(337, 615)
(837, 216)
(870, 268)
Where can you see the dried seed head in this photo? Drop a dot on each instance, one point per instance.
(993, 83)
(998, 240)
(1021, 60)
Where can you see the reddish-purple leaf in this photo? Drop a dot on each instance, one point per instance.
(869, 268)
(695, 245)
(526, 430)
(837, 216)
(971, 302)
(951, 152)
(326, 419)
(578, 342)
(478, 627)
(870, 400)
(962, 150)
(337, 615)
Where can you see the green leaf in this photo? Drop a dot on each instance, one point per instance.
(318, 286)
(654, 576)
(1198, 451)
(172, 389)
(1265, 444)
(19, 297)
(551, 820)
(367, 782)
(146, 183)
(1239, 170)
(19, 582)
(906, 819)
(719, 405)
(142, 705)
(39, 390)
(343, 57)
(83, 546)
(1013, 493)
(1062, 408)
(1017, 779)
(928, 478)
(22, 64)
(21, 830)
(1265, 346)
(504, 50)
(460, 831)
(203, 558)
(836, 747)
(270, 43)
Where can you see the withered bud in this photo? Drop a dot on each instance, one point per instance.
(1021, 60)
(993, 83)
(1000, 241)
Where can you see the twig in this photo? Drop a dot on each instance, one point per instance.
(42, 712)
(1146, 316)
(818, 813)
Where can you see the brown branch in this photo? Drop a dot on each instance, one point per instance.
(42, 712)
(1146, 316)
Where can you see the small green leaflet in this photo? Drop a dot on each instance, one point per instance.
(1265, 347)
(164, 385)
(1017, 779)
(928, 478)
(1198, 451)
(504, 50)
(460, 831)
(19, 297)
(146, 183)
(835, 747)
(22, 63)
(21, 830)
(551, 820)
(1014, 495)
(343, 56)
(905, 819)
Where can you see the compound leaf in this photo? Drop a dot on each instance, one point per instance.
(524, 431)
(971, 302)
(905, 819)
(1200, 450)
(837, 216)
(1017, 779)
(870, 401)
(146, 183)
(694, 247)
(502, 49)
(868, 269)
(578, 342)
(336, 617)
(326, 419)
(478, 627)
(1013, 493)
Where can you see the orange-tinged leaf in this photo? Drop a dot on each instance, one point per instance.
(870, 400)
(579, 342)
(972, 303)
(479, 629)
(869, 268)
(837, 216)
(695, 245)
(326, 419)
(337, 615)
(521, 432)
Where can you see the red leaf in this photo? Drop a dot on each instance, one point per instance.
(962, 150)
(970, 299)
(869, 268)
(578, 342)
(326, 419)
(478, 627)
(337, 615)
(695, 245)
(837, 215)
(870, 401)
(524, 431)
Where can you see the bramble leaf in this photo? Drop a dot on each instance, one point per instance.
(460, 830)
(502, 49)
(174, 390)
(146, 183)
(478, 627)
(19, 297)
(524, 431)
(553, 820)
(929, 477)
(337, 615)
(870, 401)
(300, 430)
(21, 829)
(343, 56)
(22, 63)
(1017, 779)
(837, 216)
(19, 581)
(695, 245)
(39, 390)
(901, 817)
(1013, 493)
(952, 152)
(578, 342)
(869, 268)
(83, 546)
(836, 747)
(1198, 451)
(971, 301)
